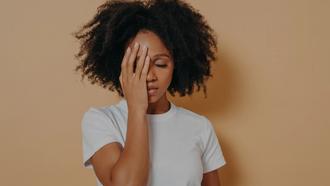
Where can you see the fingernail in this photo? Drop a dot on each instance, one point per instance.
(136, 44)
(128, 49)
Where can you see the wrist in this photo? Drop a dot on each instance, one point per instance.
(137, 111)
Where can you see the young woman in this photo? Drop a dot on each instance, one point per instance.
(142, 49)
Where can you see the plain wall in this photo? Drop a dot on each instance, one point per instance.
(268, 99)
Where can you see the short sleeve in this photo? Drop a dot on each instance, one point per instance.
(97, 130)
(212, 157)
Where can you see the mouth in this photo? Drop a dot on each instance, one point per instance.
(152, 91)
(151, 87)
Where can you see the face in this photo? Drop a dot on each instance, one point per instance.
(161, 64)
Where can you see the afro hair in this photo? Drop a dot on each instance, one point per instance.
(182, 29)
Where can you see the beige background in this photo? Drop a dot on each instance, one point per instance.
(268, 101)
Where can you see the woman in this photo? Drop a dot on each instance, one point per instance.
(142, 50)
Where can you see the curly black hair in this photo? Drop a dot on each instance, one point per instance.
(183, 30)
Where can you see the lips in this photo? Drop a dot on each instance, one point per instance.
(151, 87)
(152, 91)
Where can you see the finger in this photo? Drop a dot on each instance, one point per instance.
(124, 63)
(120, 80)
(145, 69)
(121, 84)
(132, 59)
(141, 61)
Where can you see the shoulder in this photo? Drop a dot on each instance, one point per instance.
(202, 122)
(192, 116)
(100, 115)
(109, 110)
(100, 111)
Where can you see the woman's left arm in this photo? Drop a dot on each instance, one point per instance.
(211, 179)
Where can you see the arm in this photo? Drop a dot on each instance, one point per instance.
(131, 166)
(211, 179)
(115, 166)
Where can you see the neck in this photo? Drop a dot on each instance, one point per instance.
(160, 106)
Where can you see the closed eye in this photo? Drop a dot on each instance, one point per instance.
(162, 66)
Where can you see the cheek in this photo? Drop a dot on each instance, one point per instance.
(166, 78)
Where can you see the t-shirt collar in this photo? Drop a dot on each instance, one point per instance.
(152, 117)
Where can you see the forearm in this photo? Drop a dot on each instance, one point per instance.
(133, 166)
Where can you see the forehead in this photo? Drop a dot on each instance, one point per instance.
(151, 40)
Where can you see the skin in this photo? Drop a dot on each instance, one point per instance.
(159, 73)
(154, 67)
(211, 179)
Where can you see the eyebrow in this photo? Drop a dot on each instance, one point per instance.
(160, 55)
(156, 56)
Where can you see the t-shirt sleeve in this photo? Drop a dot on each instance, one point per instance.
(212, 157)
(97, 130)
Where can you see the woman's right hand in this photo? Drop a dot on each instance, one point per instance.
(134, 84)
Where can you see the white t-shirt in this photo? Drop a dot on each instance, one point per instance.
(183, 144)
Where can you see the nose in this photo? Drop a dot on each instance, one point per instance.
(151, 76)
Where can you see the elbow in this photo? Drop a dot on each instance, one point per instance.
(128, 182)
(123, 178)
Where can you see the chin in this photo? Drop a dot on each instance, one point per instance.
(152, 99)
(156, 97)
